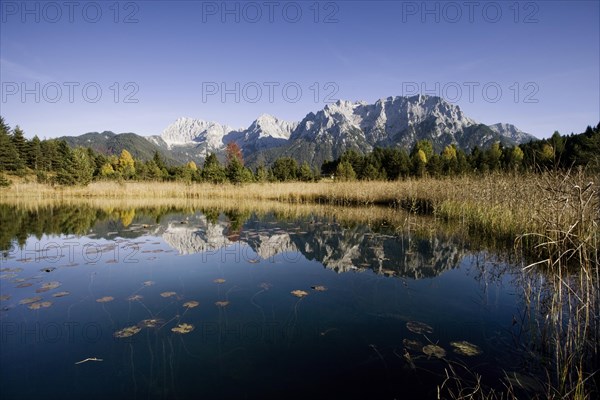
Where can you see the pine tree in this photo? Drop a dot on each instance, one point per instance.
(9, 156)
(20, 143)
(305, 173)
(212, 170)
(34, 153)
(345, 172)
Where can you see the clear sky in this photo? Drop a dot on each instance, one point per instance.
(67, 68)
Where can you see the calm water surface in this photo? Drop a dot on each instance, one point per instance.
(373, 298)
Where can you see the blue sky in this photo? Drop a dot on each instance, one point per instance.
(535, 64)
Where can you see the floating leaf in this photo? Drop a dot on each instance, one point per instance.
(413, 345)
(299, 293)
(418, 327)
(183, 328)
(191, 304)
(219, 280)
(48, 286)
(135, 297)
(265, 286)
(434, 350)
(105, 299)
(30, 300)
(168, 294)
(127, 332)
(41, 304)
(151, 323)
(465, 348)
(222, 303)
(148, 283)
(5, 297)
(23, 285)
(319, 288)
(61, 294)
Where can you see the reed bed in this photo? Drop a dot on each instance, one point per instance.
(499, 205)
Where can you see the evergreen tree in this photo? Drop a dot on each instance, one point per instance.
(370, 173)
(305, 174)
(434, 166)
(213, 171)
(261, 175)
(285, 169)
(9, 156)
(345, 172)
(34, 153)
(20, 143)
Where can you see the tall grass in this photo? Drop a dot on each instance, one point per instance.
(496, 205)
(564, 304)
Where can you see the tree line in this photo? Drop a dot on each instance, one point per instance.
(557, 152)
(53, 161)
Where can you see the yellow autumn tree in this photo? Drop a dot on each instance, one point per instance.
(126, 165)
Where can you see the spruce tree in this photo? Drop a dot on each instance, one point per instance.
(34, 153)
(9, 156)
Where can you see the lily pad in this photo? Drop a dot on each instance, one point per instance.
(434, 350)
(465, 348)
(183, 328)
(299, 293)
(413, 345)
(127, 332)
(23, 285)
(151, 323)
(222, 303)
(105, 299)
(135, 297)
(191, 304)
(418, 327)
(168, 294)
(30, 300)
(61, 294)
(219, 281)
(48, 286)
(40, 304)
(319, 288)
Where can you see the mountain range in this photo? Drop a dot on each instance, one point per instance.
(324, 135)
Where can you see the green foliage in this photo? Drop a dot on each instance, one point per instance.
(426, 147)
(213, 171)
(55, 161)
(10, 159)
(3, 181)
(285, 169)
(236, 173)
(262, 174)
(77, 168)
(345, 172)
(305, 173)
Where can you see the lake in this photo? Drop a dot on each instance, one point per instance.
(173, 303)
